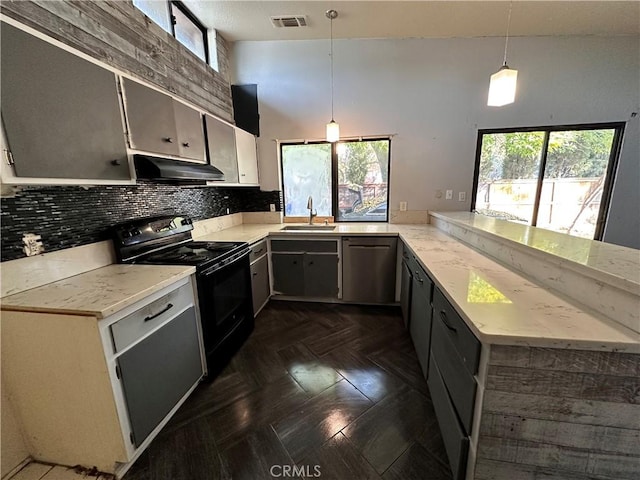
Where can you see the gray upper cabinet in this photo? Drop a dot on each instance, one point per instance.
(221, 142)
(61, 113)
(152, 126)
(190, 132)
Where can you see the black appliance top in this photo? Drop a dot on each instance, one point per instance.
(167, 240)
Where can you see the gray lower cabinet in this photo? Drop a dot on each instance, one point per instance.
(405, 292)
(288, 273)
(320, 275)
(454, 361)
(456, 440)
(421, 315)
(158, 371)
(305, 268)
(260, 283)
(61, 113)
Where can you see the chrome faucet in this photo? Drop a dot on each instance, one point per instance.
(311, 212)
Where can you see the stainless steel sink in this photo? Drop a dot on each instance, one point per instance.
(308, 228)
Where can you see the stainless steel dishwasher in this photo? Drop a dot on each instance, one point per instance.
(369, 269)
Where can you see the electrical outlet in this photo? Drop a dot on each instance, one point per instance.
(449, 195)
(228, 210)
(272, 207)
(32, 244)
(403, 206)
(462, 196)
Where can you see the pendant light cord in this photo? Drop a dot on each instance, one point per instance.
(506, 40)
(331, 55)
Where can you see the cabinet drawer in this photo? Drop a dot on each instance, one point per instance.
(258, 249)
(459, 382)
(130, 328)
(422, 283)
(462, 338)
(456, 442)
(326, 246)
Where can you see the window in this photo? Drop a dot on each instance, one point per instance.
(176, 19)
(558, 178)
(347, 180)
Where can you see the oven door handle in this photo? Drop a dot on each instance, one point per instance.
(235, 260)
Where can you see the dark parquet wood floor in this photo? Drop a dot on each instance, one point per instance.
(334, 390)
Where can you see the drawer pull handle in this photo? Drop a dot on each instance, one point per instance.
(258, 251)
(165, 309)
(419, 279)
(254, 273)
(443, 316)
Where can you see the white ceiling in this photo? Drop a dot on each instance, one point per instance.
(250, 20)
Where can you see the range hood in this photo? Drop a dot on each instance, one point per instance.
(167, 170)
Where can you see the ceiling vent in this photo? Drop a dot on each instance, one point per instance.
(280, 21)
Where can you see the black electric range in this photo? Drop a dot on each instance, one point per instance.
(223, 277)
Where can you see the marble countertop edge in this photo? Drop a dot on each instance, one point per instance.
(592, 272)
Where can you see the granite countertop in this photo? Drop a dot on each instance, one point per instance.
(98, 293)
(499, 305)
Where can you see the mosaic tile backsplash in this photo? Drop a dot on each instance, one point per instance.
(72, 216)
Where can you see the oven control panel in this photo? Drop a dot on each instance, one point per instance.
(150, 230)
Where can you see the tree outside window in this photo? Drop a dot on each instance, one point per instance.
(557, 178)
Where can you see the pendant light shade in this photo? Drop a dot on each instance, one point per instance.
(333, 129)
(502, 86)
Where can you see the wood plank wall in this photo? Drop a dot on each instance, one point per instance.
(120, 35)
(560, 414)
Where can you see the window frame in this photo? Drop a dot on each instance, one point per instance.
(610, 172)
(193, 19)
(334, 173)
(169, 6)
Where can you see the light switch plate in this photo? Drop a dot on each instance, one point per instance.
(403, 206)
(462, 196)
(272, 207)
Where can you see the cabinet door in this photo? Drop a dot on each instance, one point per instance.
(189, 131)
(152, 126)
(320, 275)
(288, 273)
(247, 157)
(420, 322)
(158, 371)
(221, 143)
(405, 293)
(61, 113)
(260, 283)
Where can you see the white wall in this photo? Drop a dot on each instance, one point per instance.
(432, 94)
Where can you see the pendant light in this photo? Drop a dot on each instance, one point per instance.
(333, 129)
(502, 87)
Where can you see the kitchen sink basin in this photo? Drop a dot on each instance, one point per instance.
(308, 228)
